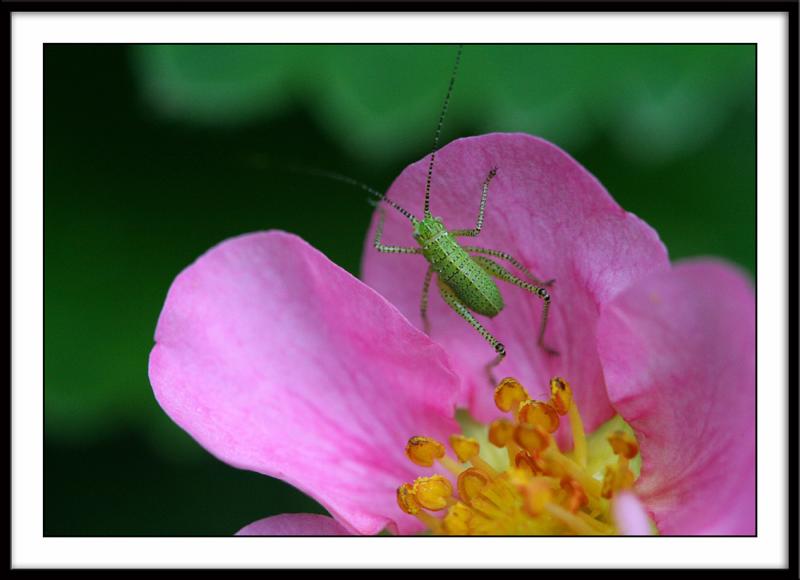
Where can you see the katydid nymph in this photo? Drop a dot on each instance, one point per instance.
(465, 274)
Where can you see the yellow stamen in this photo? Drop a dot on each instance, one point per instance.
(483, 466)
(577, 497)
(470, 483)
(524, 462)
(560, 395)
(456, 522)
(623, 444)
(617, 477)
(573, 522)
(571, 468)
(433, 493)
(540, 414)
(501, 432)
(406, 500)
(465, 447)
(563, 401)
(578, 435)
(450, 465)
(509, 394)
(424, 451)
(540, 491)
(596, 524)
(532, 439)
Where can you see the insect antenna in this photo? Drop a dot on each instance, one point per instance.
(379, 197)
(438, 131)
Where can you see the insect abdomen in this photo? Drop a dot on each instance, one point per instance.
(471, 283)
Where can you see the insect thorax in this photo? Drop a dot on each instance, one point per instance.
(427, 229)
(471, 283)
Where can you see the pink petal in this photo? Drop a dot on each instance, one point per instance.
(294, 525)
(278, 361)
(630, 515)
(678, 350)
(551, 214)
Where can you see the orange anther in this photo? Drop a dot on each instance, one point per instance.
(617, 477)
(624, 444)
(560, 395)
(500, 432)
(539, 413)
(525, 462)
(433, 493)
(465, 447)
(577, 497)
(608, 482)
(531, 438)
(424, 451)
(406, 500)
(509, 394)
(470, 483)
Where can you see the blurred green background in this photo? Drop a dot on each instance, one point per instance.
(155, 153)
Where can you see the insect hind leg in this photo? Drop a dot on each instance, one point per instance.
(423, 305)
(453, 302)
(498, 271)
(513, 261)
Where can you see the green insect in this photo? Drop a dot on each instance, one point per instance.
(464, 274)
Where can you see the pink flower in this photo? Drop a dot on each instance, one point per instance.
(278, 361)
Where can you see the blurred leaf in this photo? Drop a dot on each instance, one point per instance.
(214, 83)
(382, 101)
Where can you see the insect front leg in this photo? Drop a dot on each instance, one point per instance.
(423, 306)
(473, 233)
(498, 271)
(453, 302)
(390, 249)
(512, 260)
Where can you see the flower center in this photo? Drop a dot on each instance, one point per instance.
(540, 491)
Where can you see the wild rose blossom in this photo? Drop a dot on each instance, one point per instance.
(278, 361)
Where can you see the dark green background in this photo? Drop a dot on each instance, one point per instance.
(154, 154)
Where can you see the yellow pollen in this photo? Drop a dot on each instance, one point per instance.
(560, 395)
(528, 464)
(562, 400)
(406, 500)
(541, 490)
(617, 477)
(433, 493)
(465, 447)
(424, 451)
(500, 432)
(470, 483)
(539, 414)
(623, 444)
(577, 497)
(531, 438)
(509, 394)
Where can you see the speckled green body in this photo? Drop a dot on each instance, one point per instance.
(455, 268)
